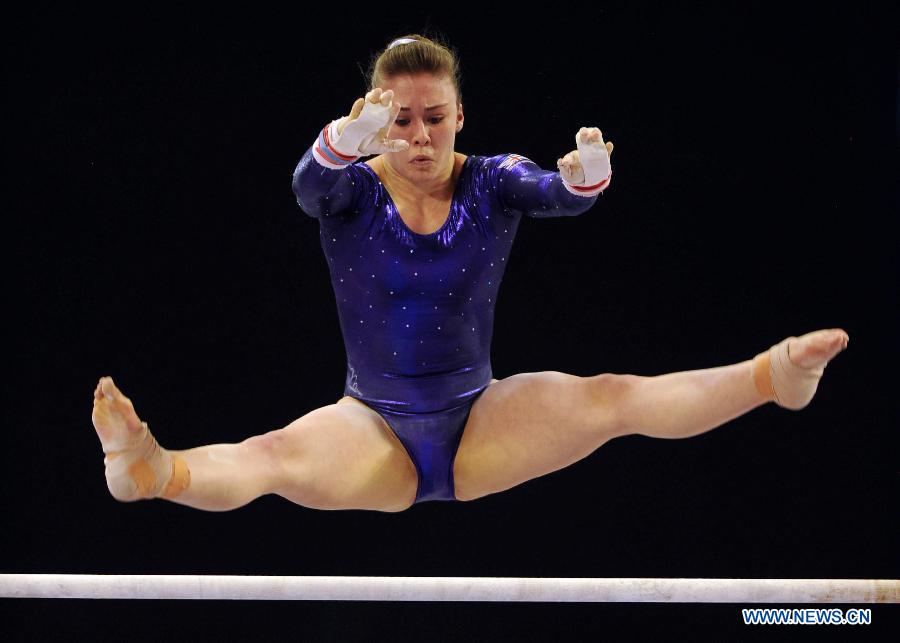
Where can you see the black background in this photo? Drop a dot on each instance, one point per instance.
(153, 236)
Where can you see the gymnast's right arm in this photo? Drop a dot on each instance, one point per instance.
(321, 183)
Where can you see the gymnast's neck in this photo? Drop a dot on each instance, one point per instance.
(418, 192)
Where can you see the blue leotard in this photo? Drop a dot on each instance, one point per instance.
(417, 310)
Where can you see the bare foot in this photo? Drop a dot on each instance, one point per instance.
(136, 466)
(816, 349)
(789, 372)
(114, 418)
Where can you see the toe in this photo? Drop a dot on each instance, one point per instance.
(838, 339)
(109, 388)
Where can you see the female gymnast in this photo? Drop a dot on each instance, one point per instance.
(416, 241)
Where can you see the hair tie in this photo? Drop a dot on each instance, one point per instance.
(402, 41)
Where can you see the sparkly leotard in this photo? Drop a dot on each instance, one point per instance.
(417, 310)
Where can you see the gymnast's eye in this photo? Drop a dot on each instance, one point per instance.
(403, 122)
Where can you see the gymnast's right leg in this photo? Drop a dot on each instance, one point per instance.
(340, 456)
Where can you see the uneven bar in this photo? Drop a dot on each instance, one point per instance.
(423, 588)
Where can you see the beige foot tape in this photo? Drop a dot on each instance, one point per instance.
(144, 470)
(779, 379)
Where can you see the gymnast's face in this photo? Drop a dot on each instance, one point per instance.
(428, 120)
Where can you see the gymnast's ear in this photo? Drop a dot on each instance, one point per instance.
(459, 117)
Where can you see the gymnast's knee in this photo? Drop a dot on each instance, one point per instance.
(267, 453)
(612, 394)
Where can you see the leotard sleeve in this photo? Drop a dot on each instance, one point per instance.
(521, 185)
(324, 192)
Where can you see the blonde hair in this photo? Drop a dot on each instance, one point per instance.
(416, 54)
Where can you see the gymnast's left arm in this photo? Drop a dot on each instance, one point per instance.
(583, 174)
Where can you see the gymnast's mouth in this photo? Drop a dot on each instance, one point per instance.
(421, 158)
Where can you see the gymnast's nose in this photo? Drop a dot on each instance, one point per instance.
(420, 134)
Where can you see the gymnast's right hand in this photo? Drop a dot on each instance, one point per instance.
(365, 130)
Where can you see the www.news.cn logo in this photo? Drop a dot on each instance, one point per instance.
(782, 616)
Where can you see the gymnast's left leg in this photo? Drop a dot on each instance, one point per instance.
(530, 424)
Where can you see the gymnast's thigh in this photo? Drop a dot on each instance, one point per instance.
(343, 456)
(530, 424)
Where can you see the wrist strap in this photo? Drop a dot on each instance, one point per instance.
(588, 190)
(324, 151)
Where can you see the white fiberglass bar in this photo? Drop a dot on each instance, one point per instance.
(423, 588)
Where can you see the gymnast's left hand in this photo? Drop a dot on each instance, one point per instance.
(591, 154)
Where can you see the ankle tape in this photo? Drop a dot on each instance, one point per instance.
(180, 480)
(132, 470)
(777, 378)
